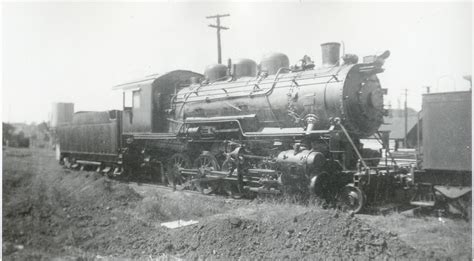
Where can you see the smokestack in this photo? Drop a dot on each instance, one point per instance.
(330, 54)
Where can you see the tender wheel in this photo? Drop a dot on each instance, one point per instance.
(67, 162)
(352, 198)
(175, 179)
(70, 163)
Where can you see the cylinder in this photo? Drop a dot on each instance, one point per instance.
(302, 162)
(330, 53)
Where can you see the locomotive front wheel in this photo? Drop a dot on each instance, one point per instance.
(352, 198)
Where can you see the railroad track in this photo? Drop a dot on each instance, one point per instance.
(374, 210)
(161, 187)
(147, 183)
(168, 188)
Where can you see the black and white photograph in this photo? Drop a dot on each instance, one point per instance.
(236, 130)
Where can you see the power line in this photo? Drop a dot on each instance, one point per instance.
(219, 28)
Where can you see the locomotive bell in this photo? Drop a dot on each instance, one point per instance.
(215, 72)
(330, 54)
(272, 62)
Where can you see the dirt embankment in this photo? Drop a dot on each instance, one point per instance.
(316, 234)
(48, 209)
(51, 212)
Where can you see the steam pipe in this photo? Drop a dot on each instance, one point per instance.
(338, 121)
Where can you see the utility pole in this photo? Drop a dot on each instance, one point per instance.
(219, 28)
(406, 118)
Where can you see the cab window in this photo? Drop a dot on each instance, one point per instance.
(136, 99)
(127, 100)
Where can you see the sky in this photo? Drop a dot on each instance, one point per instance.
(77, 51)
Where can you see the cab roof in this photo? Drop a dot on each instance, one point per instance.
(149, 79)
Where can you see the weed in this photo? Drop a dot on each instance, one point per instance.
(178, 206)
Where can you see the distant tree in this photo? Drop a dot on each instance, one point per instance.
(21, 134)
(43, 127)
(7, 130)
(401, 112)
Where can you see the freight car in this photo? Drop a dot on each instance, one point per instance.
(445, 175)
(246, 128)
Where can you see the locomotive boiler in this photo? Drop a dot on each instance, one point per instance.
(302, 98)
(255, 128)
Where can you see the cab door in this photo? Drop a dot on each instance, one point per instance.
(137, 109)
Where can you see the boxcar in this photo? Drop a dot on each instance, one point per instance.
(447, 138)
(446, 172)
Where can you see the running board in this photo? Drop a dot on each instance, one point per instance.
(261, 190)
(86, 162)
(422, 203)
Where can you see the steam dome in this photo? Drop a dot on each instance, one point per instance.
(215, 72)
(244, 67)
(272, 62)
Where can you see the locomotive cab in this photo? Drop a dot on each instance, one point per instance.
(147, 102)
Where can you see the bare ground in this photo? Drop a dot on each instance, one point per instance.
(53, 213)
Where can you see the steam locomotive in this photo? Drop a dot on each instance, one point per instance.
(245, 128)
